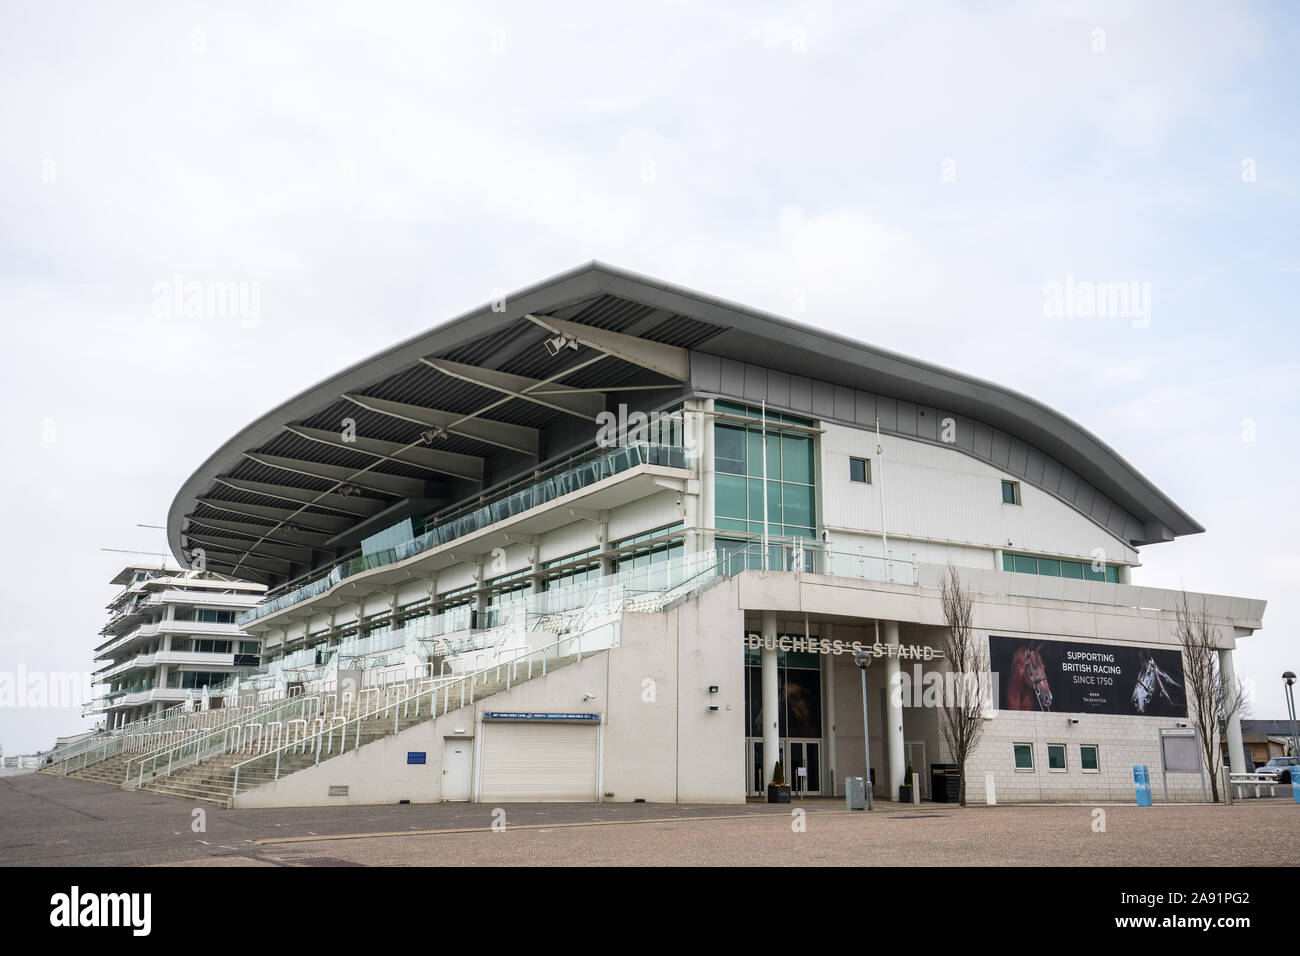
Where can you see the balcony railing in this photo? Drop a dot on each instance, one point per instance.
(512, 501)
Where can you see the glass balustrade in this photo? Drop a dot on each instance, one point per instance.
(513, 500)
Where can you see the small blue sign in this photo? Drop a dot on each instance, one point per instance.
(416, 756)
(511, 715)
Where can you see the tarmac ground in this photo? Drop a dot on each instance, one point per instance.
(49, 820)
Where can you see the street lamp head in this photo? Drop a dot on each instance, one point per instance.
(863, 659)
(1289, 677)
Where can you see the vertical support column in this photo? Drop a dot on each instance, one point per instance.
(771, 704)
(829, 760)
(602, 540)
(1236, 749)
(893, 729)
(535, 563)
(687, 431)
(480, 586)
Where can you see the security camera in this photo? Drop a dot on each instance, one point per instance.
(588, 696)
(558, 342)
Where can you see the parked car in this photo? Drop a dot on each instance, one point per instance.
(1280, 767)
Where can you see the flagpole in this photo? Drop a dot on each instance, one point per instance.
(764, 482)
(884, 535)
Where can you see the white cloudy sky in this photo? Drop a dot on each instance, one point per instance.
(377, 168)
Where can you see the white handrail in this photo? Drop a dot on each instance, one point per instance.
(325, 737)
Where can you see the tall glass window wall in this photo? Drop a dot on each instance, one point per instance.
(738, 480)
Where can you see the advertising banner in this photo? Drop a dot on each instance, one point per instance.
(1071, 678)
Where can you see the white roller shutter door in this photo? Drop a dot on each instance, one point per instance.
(541, 760)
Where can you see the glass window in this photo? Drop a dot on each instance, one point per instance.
(796, 458)
(729, 449)
(1092, 573)
(1049, 567)
(860, 470)
(1024, 756)
(1112, 574)
(1088, 758)
(797, 500)
(730, 494)
(1011, 492)
(1071, 569)
(1056, 756)
(1026, 564)
(1008, 562)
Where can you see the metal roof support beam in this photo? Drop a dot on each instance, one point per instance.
(502, 434)
(240, 560)
(441, 462)
(352, 505)
(520, 386)
(308, 539)
(292, 518)
(270, 549)
(393, 485)
(666, 360)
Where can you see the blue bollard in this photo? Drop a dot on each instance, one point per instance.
(1142, 782)
(1295, 785)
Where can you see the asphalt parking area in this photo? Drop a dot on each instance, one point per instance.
(46, 820)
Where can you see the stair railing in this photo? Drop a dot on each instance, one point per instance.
(321, 743)
(162, 762)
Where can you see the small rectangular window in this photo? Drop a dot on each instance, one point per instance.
(1026, 564)
(1011, 492)
(1024, 756)
(1056, 757)
(1089, 760)
(860, 470)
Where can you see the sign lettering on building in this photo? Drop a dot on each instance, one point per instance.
(798, 644)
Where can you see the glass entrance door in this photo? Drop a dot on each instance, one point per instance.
(795, 754)
(804, 771)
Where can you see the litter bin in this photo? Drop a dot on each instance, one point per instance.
(945, 783)
(855, 793)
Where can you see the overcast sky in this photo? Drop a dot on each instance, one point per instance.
(913, 175)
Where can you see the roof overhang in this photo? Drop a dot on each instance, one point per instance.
(644, 328)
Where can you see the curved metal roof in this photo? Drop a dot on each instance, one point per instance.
(446, 413)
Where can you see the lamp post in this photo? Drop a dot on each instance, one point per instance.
(1289, 679)
(863, 660)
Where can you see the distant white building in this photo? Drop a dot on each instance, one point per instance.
(170, 635)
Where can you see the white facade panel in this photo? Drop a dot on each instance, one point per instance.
(943, 495)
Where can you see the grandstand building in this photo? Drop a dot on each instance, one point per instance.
(170, 638)
(612, 539)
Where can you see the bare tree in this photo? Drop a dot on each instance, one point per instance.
(961, 717)
(1212, 701)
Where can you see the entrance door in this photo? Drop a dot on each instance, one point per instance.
(457, 759)
(754, 762)
(916, 757)
(804, 755)
(794, 754)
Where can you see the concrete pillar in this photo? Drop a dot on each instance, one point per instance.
(829, 761)
(1236, 749)
(771, 703)
(893, 730)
